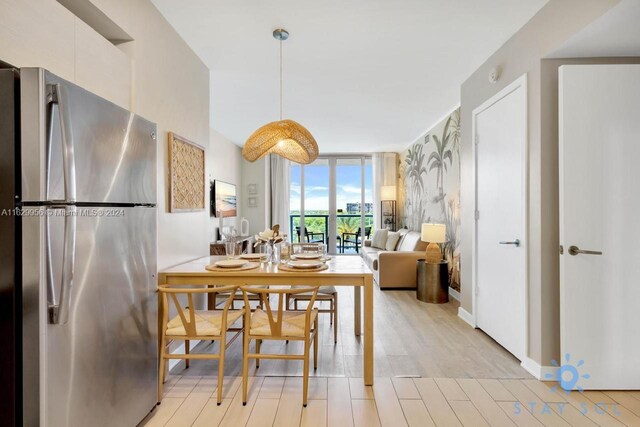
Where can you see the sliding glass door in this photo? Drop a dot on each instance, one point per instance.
(331, 202)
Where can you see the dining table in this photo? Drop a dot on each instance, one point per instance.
(343, 270)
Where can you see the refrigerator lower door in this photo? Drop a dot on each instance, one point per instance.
(99, 360)
(78, 147)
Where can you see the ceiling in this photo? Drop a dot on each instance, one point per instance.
(616, 33)
(361, 75)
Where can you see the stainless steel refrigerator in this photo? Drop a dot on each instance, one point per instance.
(84, 223)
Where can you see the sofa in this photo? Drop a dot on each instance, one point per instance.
(395, 269)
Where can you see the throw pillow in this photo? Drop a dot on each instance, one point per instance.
(379, 239)
(392, 240)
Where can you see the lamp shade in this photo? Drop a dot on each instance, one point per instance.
(286, 138)
(388, 192)
(434, 233)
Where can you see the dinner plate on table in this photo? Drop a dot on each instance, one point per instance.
(305, 264)
(306, 256)
(231, 263)
(253, 257)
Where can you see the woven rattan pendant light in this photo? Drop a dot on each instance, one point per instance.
(285, 138)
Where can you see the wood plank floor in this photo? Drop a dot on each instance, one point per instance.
(277, 401)
(411, 339)
(432, 369)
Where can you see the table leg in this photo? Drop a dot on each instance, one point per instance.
(357, 310)
(368, 330)
(160, 306)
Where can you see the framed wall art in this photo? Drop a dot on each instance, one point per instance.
(186, 175)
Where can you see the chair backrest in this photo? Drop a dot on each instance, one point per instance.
(298, 231)
(306, 247)
(167, 291)
(275, 322)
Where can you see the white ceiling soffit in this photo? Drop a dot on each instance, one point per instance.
(362, 76)
(616, 33)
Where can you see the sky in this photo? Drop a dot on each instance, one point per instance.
(316, 182)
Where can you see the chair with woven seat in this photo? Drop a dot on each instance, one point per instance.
(325, 293)
(192, 324)
(280, 325)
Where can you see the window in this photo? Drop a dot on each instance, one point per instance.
(331, 202)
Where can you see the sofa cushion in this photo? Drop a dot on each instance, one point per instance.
(370, 256)
(392, 240)
(412, 242)
(379, 238)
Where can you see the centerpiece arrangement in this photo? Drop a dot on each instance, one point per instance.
(269, 238)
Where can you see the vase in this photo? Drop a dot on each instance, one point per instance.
(271, 251)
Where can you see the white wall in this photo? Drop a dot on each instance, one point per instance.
(256, 173)
(157, 76)
(224, 162)
(547, 30)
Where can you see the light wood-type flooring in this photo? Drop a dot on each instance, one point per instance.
(411, 339)
(394, 402)
(431, 369)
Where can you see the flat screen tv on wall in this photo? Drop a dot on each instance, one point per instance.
(224, 200)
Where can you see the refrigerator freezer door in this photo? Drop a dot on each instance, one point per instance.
(78, 147)
(100, 367)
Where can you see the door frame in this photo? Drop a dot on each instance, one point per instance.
(520, 82)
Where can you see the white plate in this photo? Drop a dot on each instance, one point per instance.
(253, 256)
(305, 264)
(306, 256)
(231, 263)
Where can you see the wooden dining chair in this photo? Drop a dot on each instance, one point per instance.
(280, 325)
(224, 295)
(192, 324)
(325, 293)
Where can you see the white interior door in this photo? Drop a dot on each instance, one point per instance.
(500, 251)
(600, 211)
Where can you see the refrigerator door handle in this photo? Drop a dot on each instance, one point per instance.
(59, 313)
(57, 95)
(51, 285)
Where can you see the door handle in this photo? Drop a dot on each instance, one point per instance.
(515, 243)
(574, 250)
(57, 95)
(59, 313)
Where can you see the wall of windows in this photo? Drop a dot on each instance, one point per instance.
(331, 202)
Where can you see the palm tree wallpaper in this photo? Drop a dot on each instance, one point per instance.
(430, 186)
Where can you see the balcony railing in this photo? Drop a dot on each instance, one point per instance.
(318, 229)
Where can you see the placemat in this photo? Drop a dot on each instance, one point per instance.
(248, 266)
(284, 267)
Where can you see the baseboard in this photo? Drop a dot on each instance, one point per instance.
(180, 350)
(466, 316)
(542, 373)
(454, 294)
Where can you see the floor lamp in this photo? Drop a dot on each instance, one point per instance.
(388, 196)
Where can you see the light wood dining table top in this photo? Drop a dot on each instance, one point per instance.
(339, 266)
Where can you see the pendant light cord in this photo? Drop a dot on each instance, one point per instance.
(280, 79)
